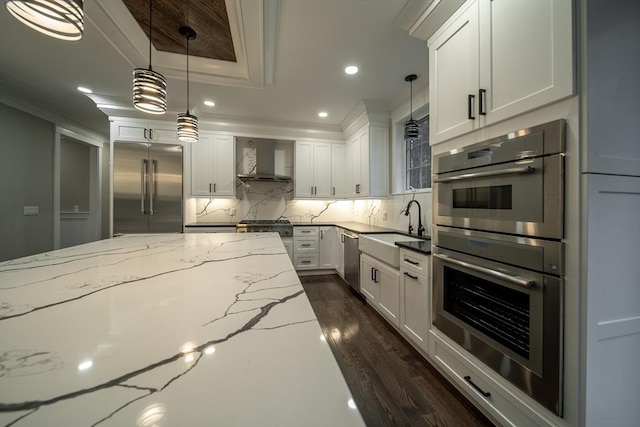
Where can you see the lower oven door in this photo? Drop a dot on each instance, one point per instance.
(509, 318)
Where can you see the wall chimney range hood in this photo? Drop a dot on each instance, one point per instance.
(264, 169)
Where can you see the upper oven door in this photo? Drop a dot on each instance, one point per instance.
(523, 197)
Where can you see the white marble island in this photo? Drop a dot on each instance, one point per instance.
(165, 330)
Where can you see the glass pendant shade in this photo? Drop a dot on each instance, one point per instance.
(61, 19)
(411, 128)
(187, 127)
(149, 91)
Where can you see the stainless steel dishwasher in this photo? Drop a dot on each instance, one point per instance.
(351, 260)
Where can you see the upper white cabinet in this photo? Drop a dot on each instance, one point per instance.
(339, 182)
(212, 166)
(493, 60)
(134, 130)
(369, 162)
(313, 169)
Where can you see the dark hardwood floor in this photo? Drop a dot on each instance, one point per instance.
(391, 384)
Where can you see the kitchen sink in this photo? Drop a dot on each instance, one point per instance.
(383, 246)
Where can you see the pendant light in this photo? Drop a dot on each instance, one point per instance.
(149, 87)
(61, 19)
(411, 128)
(187, 123)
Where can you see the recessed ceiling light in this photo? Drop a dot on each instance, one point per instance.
(209, 103)
(84, 89)
(351, 69)
(323, 114)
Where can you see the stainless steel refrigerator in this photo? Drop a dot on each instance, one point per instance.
(147, 188)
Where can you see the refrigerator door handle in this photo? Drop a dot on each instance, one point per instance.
(152, 185)
(143, 185)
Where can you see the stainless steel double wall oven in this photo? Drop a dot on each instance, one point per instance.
(498, 258)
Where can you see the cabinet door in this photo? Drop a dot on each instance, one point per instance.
(454, 76)
(389, 285)
(163, 134)
(354, 156)
(414, 307)
(368, 286)
(328, 239)
(526, 58)
(224, 180)
(129, 131)
(322, 170)
(339, 170)
(202, 157)
(363, 187)
(304, 169)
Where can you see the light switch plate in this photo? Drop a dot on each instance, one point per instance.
(32, 210)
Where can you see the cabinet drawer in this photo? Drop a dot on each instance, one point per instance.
(305, 261)
(305, 244)
(306, 231)
(500, 403)
(415, 262)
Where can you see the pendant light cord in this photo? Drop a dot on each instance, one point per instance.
(411, 99)
(150, 30)
(187, 74)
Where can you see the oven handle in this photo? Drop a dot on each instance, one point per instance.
(510, 171)
(516, 280)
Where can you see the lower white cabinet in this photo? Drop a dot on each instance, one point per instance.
(381, 287)
(305, 247)
(415, 297)
(326, 253)
(481, 385)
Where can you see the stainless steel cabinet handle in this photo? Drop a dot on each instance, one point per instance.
(471, 106)
(516, 280)
(305, 262)
(508, 171)
(152, 185)
(306, 245)
(145, 133)
(151, 134)
(333, 191)
(322, 234)
(305, 231)
(373, 274)
(143, 184)
(411, 262)
(214, 187)
(209, 187)
(411, 276)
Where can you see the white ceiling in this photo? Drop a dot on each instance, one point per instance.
(309, 43)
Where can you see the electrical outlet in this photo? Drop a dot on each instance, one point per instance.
(76, 208)
(233, 212)
(32, 210)
(384, 215)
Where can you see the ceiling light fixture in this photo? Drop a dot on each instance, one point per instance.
(61, 19)
(323, 114)
(351, 69)
(84, 89)
(411, 128)
(209, 103)
(187, 123)
(149, 87)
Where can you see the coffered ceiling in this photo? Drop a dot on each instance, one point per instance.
(274, 62)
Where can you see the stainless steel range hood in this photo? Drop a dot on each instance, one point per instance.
(265, 164)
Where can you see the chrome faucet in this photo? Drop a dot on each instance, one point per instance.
(420, 226)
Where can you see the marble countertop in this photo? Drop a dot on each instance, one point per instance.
(165, 330)
(356, 227)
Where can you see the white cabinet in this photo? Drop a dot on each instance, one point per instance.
(497, 59)
(381, 286)
(327, 242)
(369, 162)
(313, 169)
(339, 182)
(305, 247)
(133, 130)
(212, 166)
(415, 297)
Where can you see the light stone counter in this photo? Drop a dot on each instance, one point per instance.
(165, 330)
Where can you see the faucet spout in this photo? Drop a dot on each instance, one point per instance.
(421, 228)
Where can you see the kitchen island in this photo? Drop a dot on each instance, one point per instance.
(165, 330)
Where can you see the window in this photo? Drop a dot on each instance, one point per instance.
(418, 158)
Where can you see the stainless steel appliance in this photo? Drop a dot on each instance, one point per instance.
(498, 261)
(147, 188)
(510, 184)
(281, 226)
(351, 260)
